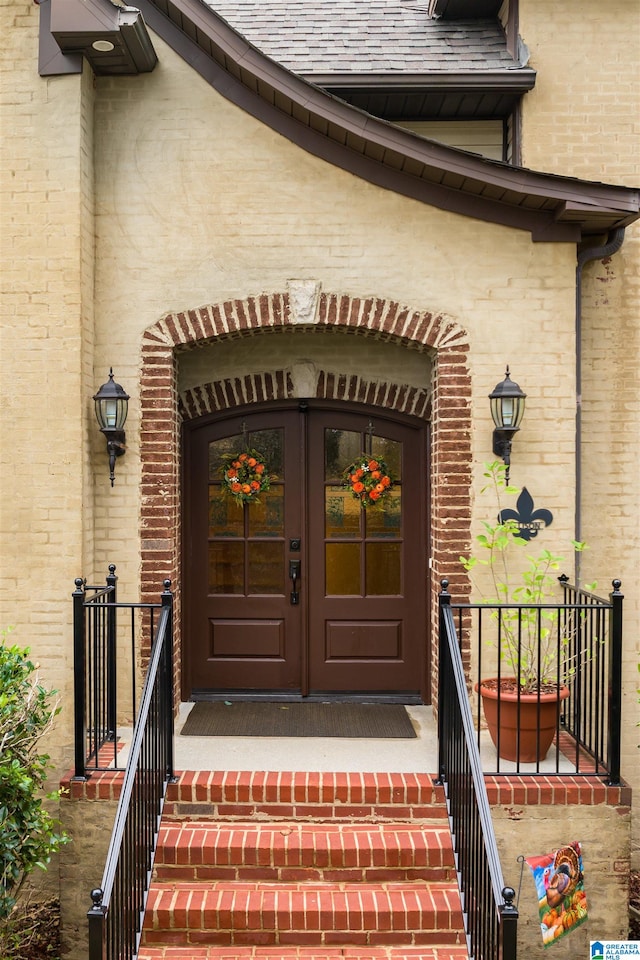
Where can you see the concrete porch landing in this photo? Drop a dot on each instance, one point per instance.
(296, 754)
(311, 753)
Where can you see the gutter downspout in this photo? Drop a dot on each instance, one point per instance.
(613, 244)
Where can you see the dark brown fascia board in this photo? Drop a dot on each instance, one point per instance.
(544, 204)
(75, 25)
(517, 81)
(464, 9)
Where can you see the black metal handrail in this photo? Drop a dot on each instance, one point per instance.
(594, 716)
(490, 915)
(116, 917)
(582, 634)
(98, 672)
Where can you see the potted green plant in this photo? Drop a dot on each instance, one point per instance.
(537, 655)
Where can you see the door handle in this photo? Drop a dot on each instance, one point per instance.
(294, 574)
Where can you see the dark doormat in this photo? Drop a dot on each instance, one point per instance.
(375, 721)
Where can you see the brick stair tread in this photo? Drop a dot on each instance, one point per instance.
(192, 952)
(310, 907)
(302, 844)
(300, 795)
(304, 866)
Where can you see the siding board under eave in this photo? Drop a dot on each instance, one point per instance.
(376, 105)
(451, 103)
(414, 103)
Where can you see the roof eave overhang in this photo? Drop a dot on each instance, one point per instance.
(516, 81)
(550, 207)
(113, 39)
(547, 206)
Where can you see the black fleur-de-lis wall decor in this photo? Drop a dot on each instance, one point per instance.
(529, 520)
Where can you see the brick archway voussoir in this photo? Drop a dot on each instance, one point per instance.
(382, 319)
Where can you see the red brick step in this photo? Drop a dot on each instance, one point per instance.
(304, 866)
(242, 795)
(387, 914)
(304, 953)
(303, 851)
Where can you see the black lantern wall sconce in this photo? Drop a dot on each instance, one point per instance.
(112, 406)
(507, 410)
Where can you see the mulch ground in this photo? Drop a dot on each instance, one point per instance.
(32, 933)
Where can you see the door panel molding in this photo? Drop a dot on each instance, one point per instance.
(321, 642)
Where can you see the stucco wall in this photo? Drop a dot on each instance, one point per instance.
(212, 205)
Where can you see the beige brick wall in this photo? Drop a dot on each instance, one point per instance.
(582, 120)
(528, 830)
(47, 267)
(81, 866)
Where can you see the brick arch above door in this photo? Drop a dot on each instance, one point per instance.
(269, 385)
(449, 407)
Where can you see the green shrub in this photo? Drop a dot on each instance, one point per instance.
(28, 833)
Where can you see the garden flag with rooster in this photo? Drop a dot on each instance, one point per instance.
(562, 902)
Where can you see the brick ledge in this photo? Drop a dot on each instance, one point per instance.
(271, 787)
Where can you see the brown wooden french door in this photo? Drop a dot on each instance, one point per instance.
(305, 592)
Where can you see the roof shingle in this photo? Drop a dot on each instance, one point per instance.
(365, 36)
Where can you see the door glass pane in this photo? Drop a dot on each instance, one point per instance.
(226, 567)
(386, 522)
(383, 569)
(391, 452)
(342, 513)
(340, 448)
(270, 443)
(217, 451)
(226, 518)
(266, 568)
(342, 565)
(266, 519)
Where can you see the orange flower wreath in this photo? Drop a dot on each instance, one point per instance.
(245, 476)
(368, 480)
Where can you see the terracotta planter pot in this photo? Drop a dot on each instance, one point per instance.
(536, 716)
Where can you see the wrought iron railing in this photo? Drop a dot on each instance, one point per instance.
(577, 643)
(490, 915)
(106, 636)
(116, 917)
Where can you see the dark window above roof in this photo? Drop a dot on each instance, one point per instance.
(461, 9)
